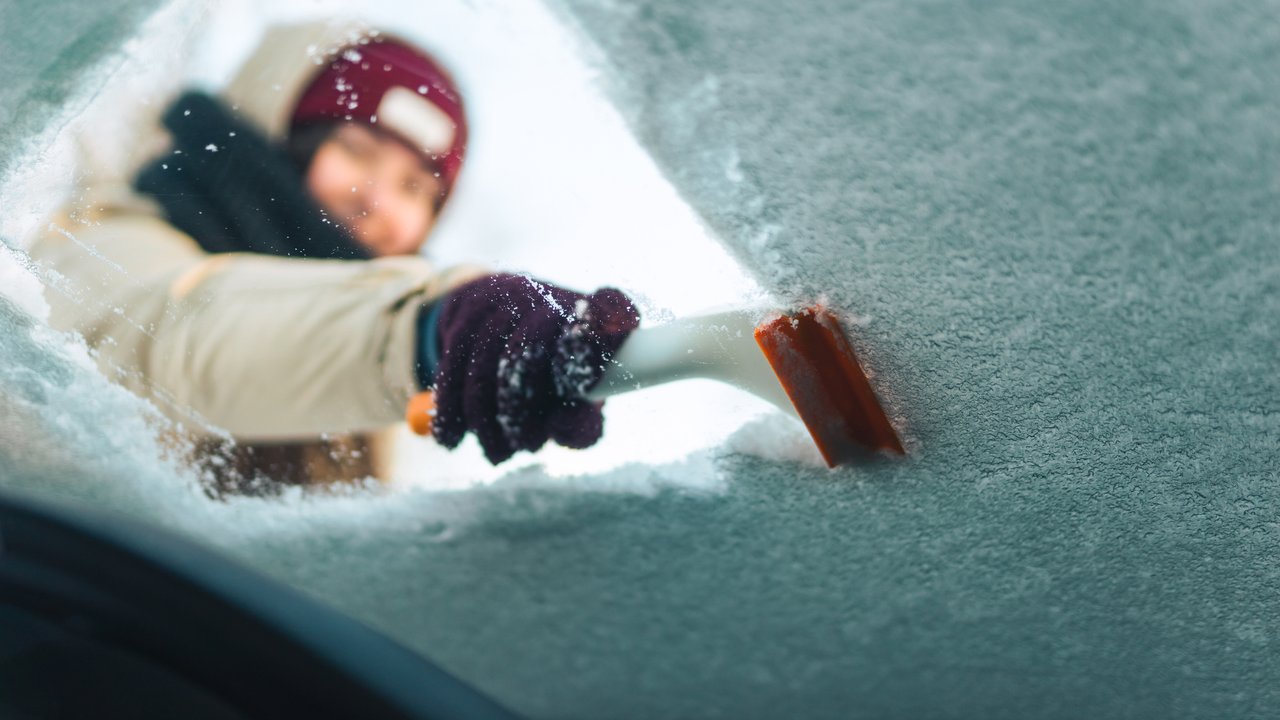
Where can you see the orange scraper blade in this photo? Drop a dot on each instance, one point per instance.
(820, 372)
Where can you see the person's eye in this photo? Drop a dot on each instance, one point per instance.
(354, 146)
(416, 187)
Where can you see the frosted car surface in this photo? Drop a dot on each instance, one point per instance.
(1055, 229)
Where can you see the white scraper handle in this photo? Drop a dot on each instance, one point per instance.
(720, 347)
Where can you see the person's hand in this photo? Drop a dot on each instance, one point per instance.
(517, 359)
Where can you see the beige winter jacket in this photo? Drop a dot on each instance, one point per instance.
(265, 348)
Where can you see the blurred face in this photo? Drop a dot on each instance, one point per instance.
(378, 188)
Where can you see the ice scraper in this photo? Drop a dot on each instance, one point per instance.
(801, 362)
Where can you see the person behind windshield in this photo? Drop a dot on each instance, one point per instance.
(260, 275)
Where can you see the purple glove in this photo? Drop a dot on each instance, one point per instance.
(517, 358)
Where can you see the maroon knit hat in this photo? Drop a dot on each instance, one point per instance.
(390, 85)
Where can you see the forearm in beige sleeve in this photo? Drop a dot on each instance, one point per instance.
(277, 348)
(262, 347)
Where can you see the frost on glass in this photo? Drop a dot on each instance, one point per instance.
(1051, 228)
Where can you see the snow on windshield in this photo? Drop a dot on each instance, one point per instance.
(1053, 230)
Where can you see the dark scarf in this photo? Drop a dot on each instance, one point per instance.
(231, 189)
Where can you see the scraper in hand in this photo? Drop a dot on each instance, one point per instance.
(801, 362)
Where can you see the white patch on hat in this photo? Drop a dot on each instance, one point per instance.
(417, 119)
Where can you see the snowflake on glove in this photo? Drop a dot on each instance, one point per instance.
(516, 358)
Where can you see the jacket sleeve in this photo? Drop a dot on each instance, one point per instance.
(262, 347)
